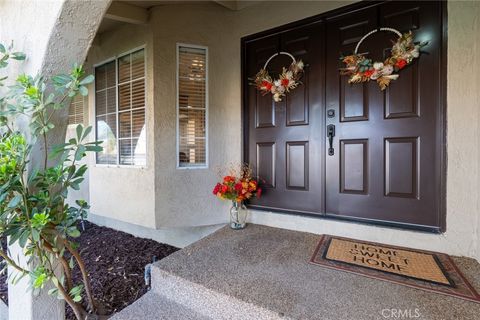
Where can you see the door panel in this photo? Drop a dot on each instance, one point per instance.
(401, 167)
(264, 111)
(403, 103)
(285, 138)
(354, 166)
(353, 102)
(297, 165)
(297, 101)
(265, 160)
(387, 159)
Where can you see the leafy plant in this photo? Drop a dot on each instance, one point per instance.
(33, 209)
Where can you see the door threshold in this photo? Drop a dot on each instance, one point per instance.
(364, 221)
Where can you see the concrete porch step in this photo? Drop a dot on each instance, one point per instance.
(205, 301)
(264, 273)
(155, 307)
(174, 298)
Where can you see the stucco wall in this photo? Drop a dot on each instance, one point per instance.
(13, 24)
(183, 197)
(463, 116)
(119, 192)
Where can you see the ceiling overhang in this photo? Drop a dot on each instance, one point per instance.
(235, 4)
(125, 12)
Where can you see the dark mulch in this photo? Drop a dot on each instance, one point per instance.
(115, 261)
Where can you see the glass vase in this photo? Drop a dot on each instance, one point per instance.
(238, 215)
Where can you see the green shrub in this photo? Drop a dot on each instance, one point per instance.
(33, 209)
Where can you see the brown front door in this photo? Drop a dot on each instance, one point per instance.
(386, 161)
(388, 147)
(284, 139)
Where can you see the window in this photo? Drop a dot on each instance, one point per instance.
(192, 106)
(120, 110)
(75, 116)
(75, 111)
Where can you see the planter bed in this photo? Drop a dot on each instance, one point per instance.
(116, 262)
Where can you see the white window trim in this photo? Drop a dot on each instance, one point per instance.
(115, 58)
(177, 106)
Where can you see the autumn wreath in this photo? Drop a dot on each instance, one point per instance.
(361, 69)
(288, 79)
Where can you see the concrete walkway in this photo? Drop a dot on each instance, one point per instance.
(263, 273)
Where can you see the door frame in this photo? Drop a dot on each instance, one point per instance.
(441, 116)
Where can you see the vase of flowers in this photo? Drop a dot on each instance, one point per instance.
(238, 215)
(238, 187)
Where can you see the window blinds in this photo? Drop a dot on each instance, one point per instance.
(192, 106)
(120, 110)
(106, 112)
(75, 111)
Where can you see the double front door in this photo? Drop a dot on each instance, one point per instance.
(350, 151)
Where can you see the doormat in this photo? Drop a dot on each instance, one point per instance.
(431, 271)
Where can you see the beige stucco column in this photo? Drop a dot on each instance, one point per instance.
(54, 34)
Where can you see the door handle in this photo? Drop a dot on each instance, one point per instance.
(330, 135)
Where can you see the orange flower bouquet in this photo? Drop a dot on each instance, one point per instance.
(238, 187)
